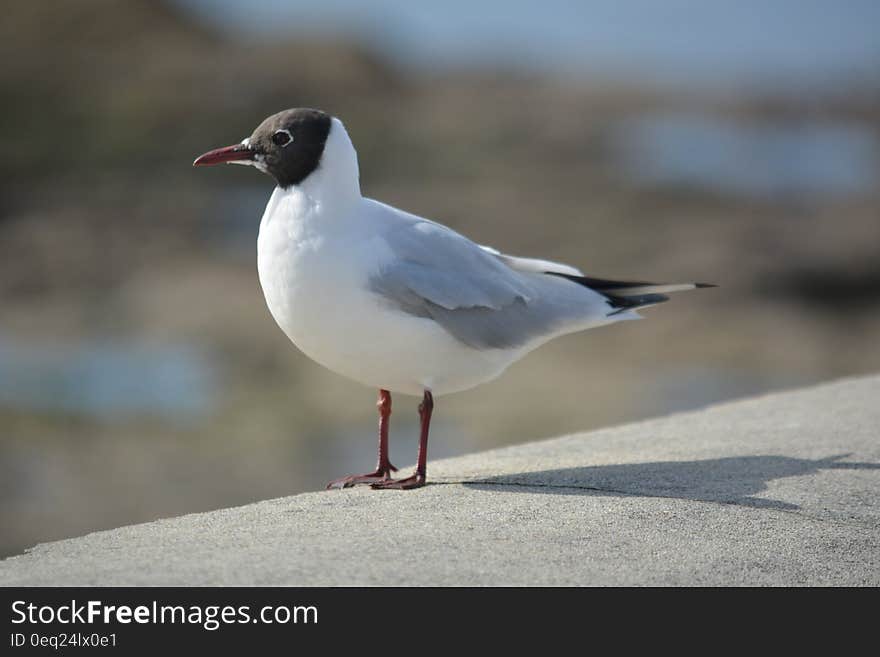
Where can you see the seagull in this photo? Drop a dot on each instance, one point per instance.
(396, 301)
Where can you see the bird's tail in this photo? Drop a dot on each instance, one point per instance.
(629, 295)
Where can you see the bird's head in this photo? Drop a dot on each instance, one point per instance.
(287, 145)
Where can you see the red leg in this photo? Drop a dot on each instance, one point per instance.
(383, 467)
(417, 479)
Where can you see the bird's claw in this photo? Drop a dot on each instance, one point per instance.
(377, 477)
(416, 480)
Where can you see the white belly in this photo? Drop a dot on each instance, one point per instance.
(315, 287)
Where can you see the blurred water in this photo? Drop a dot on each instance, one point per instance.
(105, 379)
(778, 45)
(757, 160)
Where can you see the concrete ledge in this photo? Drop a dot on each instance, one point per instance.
(780, 490)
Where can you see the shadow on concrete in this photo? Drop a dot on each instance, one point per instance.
(734, 480)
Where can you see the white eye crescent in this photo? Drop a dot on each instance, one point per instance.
(282, 138)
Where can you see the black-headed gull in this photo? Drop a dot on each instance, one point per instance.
(393, 300)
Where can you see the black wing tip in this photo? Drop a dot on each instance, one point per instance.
(621, 304)
(599, 284)
(603, 285)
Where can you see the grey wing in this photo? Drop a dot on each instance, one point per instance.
(473, 294)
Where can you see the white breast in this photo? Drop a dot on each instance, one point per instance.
(314, 265)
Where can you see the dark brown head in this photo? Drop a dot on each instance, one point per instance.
(288, 146)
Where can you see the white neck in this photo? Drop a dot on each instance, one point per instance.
(336, 182)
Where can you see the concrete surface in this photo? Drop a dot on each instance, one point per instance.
(779, 490)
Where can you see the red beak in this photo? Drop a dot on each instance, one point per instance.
(234, 153)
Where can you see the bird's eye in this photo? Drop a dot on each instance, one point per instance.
(281, 138)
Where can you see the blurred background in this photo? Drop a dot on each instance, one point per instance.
(141, 375)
